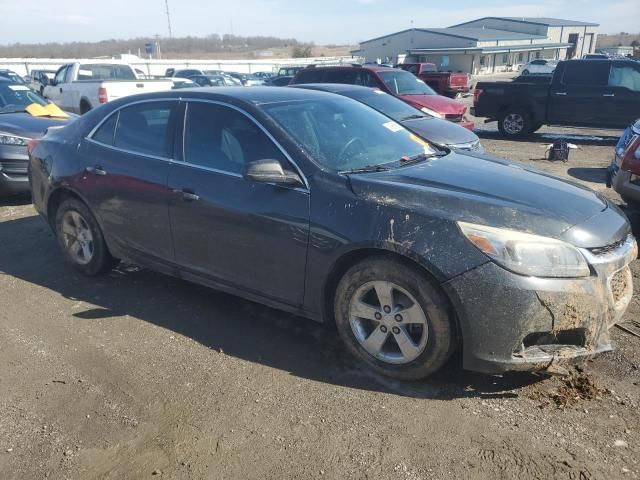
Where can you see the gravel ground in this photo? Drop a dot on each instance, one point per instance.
(137, 375)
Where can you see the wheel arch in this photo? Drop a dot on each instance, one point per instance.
(56, 198)
(87, 102)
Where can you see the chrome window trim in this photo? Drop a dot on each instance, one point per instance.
(130, 152)
(90, 135)
(256, 122)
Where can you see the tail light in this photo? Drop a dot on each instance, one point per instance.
(102, 95)
(631, 158)
(476, 95)
(32, 144)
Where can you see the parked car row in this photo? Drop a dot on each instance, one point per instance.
(332, 202)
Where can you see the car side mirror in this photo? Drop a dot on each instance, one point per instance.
(271, 171)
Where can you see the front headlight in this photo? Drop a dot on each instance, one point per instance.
(9, 139)
(527, 254)
(433, 113)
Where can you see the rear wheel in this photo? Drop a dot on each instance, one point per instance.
(394, 319)
(515, 123)
(84, 107)
(81, 239)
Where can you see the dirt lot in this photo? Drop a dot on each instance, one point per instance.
(138, 375)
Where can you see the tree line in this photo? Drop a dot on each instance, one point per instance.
(185, 46)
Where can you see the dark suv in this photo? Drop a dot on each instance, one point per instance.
(396, 82)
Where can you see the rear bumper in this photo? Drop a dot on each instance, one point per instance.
(14, 163)
(514, 323)
(623, 182)
(468, 124)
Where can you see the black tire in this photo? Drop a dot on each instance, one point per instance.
(101, 261)
(441, 338)
(535, 127)
(511, 128)
(525, 72)
(84, 107)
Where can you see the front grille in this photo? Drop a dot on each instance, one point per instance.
(454, 117)
(599, 251)
(13, 167)
(620, 285)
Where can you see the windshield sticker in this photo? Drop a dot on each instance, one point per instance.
(18, 88)
(393, 126)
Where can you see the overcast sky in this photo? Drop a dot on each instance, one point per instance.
(321, 21)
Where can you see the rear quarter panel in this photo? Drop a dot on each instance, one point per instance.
(496, 97)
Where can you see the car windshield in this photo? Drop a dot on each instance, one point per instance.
(16, 97)
(386, 104)
(345, 135)
(405, 83)
(13, 76)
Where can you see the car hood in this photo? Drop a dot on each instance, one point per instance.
(489, 191)
(26, 125)
(440, 104)
(440, 132)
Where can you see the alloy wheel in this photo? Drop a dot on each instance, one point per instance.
(77, 237)
(513, 123)
(388, 322)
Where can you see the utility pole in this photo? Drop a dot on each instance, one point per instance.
(166, 4)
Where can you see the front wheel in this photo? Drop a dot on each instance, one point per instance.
(393, 318)
(515, 123)
(525, 72)
(81, 239)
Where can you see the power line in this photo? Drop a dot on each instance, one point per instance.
(166, 3)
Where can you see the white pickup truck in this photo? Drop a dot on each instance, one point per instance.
(80, 87)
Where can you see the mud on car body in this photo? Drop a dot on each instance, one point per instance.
(317, 204)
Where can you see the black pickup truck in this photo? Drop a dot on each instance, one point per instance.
(586, 93)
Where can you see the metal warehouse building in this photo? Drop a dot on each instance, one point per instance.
(486, 45)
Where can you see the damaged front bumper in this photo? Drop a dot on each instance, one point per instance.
(511, 322)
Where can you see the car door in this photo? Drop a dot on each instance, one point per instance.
(54, 91)
(244, 234)
(127, 166)
(575, 93)
(620, 102)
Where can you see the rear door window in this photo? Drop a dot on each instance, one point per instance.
(145, 129)
(310, 75)
(625, 76)
(105, 133)
(586, 73)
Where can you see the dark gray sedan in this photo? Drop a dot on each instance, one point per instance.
(17, 127)
(438, 131)
(317, 204)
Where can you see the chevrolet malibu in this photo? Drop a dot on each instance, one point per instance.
(316, 204)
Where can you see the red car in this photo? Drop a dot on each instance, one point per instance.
(445, 83)
(396, 82)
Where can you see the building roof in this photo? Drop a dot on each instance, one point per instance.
(469, 33)
(550, 22)
(496, 49)
(482, 34)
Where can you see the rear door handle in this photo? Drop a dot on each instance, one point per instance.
(188, 195)
(609, 95)
(96, 171)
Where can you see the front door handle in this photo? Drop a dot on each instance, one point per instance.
(96, 171)
(609, 95)
(562, 94)
(188, 195)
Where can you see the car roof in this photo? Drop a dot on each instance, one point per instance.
(333, 87)
(373, 68)
(253, 95)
